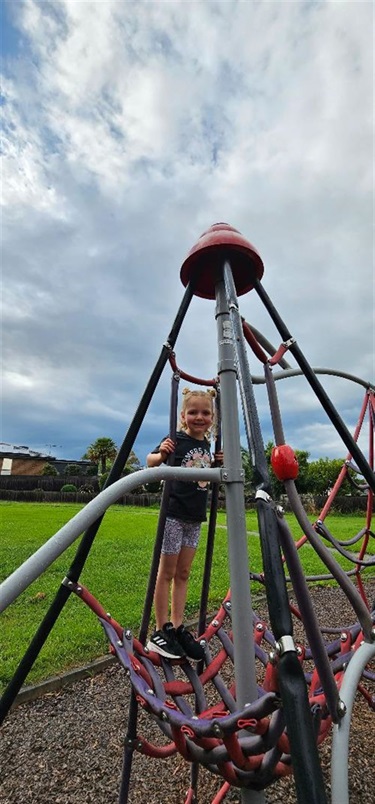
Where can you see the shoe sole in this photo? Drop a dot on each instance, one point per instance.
(156, 649)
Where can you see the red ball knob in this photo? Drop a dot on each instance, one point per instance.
(284, 462)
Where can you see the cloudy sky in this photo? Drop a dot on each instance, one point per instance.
(129, 128)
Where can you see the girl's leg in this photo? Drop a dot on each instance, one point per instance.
(166, 573)
(180, 583)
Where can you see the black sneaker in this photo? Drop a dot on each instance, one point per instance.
(164, 642)
(191, 646)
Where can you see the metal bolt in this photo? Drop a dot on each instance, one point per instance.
(215, 623)
(273, 657)
(373, 632)
(139, 746)
(299, 650)
(164, 716)
(341, 708)
(128, 634)
(109, 615)
(225, 475)
(259, 627)
(343, 636)
(228, 605)
(216, 729)
(202, 642)
(150, 692)
(119, 643)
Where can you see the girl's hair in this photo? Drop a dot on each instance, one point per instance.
(187, 394)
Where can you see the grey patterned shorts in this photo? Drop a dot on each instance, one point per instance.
(179, 534)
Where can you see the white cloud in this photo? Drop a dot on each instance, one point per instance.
(128, 130)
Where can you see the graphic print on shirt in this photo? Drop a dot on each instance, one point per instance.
(197, 458)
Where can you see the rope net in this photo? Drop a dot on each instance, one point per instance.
(196, 709)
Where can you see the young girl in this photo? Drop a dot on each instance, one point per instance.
(186, 511)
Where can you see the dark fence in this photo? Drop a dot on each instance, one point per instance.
(46, 482)
(312, 504)
(39, 495)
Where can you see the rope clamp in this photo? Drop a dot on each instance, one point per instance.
(262, 495)
(341, 708)
(285, 645)
(272, 657)
(67, 582)
(232, 475)
(71, 585)
(287, 344)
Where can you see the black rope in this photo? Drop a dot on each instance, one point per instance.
(85, 545)
(311, 377)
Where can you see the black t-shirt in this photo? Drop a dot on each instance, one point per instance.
(188, 501)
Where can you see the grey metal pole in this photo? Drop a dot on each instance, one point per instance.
(22, 577)
(244, 656)
(340, 737)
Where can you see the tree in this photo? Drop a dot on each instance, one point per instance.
(50, 470)
(316, 477)
(101, 451)
(302, 480)
(248, 472)
(72, 469)
(323, 474)
(133, 464)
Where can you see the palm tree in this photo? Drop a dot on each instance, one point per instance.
(101, 451)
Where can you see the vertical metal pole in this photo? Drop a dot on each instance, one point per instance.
(341, 730)
(244, 656)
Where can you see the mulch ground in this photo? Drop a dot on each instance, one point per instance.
(67, 747)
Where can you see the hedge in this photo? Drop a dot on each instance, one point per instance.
(46, 482)
(313, 505)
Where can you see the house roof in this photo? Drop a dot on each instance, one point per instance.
(12, 451)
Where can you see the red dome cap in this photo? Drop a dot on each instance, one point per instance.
(219, 243)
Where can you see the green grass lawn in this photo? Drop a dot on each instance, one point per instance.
(116, 573)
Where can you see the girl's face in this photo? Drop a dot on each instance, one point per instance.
(197, 416)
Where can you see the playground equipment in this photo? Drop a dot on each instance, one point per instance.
(284, 698)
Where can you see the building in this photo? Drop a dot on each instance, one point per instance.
(24, 461)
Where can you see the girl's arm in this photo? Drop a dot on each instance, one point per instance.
(156, 458)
